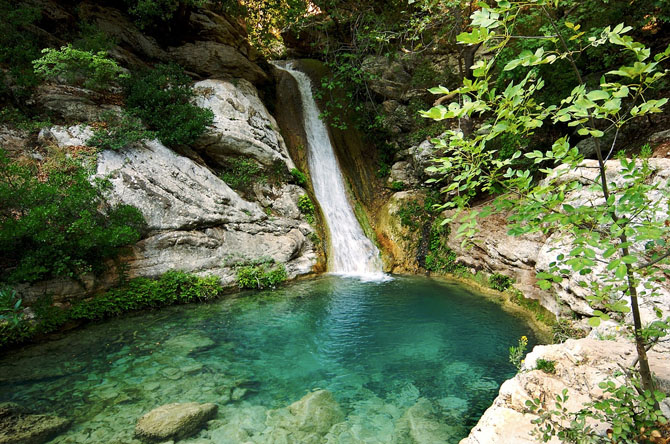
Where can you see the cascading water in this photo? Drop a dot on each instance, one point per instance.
(351, 252)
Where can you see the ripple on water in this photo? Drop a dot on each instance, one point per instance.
(407, 359)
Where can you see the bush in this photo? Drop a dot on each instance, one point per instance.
(261, 274)
(240, 172)
(161, 97)
(77, 67)
(500, 282)
(174, 287)
(10, 308)
(299, 177)
(58, 225)
(546, 365)
(116, 132)
(306, 207)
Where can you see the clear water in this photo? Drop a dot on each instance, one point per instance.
(350, 252)
(380, 348)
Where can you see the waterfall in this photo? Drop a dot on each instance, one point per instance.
(351, 252)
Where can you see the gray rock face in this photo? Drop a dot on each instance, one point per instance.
(412, 166)
(174, 421)
(242, 124)
(522, 257)
(217, 60)
(507, 420)
(391, 78)
(71, 103)
(19, 427)
(197, 223)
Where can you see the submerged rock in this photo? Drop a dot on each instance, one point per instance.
(422, 425)
(19, 427)
(174, 421)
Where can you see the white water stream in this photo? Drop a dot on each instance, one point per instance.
(351, 252)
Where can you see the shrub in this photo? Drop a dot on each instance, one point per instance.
(306, 207)
(299, 177)
(397, 186)
(174, 287)
(78, 67)
(161, 97)
(10, 308)
(500, 282)
(261, 274)
(240, 172)
(116, 132)
(59, 224)
(546, 365)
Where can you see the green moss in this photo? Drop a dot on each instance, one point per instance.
(540, 313)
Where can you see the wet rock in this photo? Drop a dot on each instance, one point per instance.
(19, 427)
(421, 425)
(242, 124)
(188, 343)
(316, 412)
(174, 421)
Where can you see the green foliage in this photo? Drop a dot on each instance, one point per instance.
(19, 46)
(93, 39)
(500, 282)
(240, 172)
(15, 117)
(299, 177)
(116, 132)
(617, 216)
(306, 207)
(631, 412)
(397, 185)
(58, 224)
(517, 353)
(546, 365)
(152, 13)
(11, 311)
(174, 287)
(161, 97)
(259, 275)
(77, 67)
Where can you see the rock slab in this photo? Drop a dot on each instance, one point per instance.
(19, 427)
(174, 421)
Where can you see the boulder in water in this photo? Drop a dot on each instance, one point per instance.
(19, 427)
(174, 421)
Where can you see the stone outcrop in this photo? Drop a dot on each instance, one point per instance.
(521, 258)
(580, 366)
(174, 421)
(242, 125)
(196, 222)
(19, 427)
(400, 243)
(216, 60)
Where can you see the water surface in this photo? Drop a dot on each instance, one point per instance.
(379, 347)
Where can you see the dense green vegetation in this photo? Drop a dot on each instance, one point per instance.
(174, 287)
(161, 97)
(260, 274)
(55, 223)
